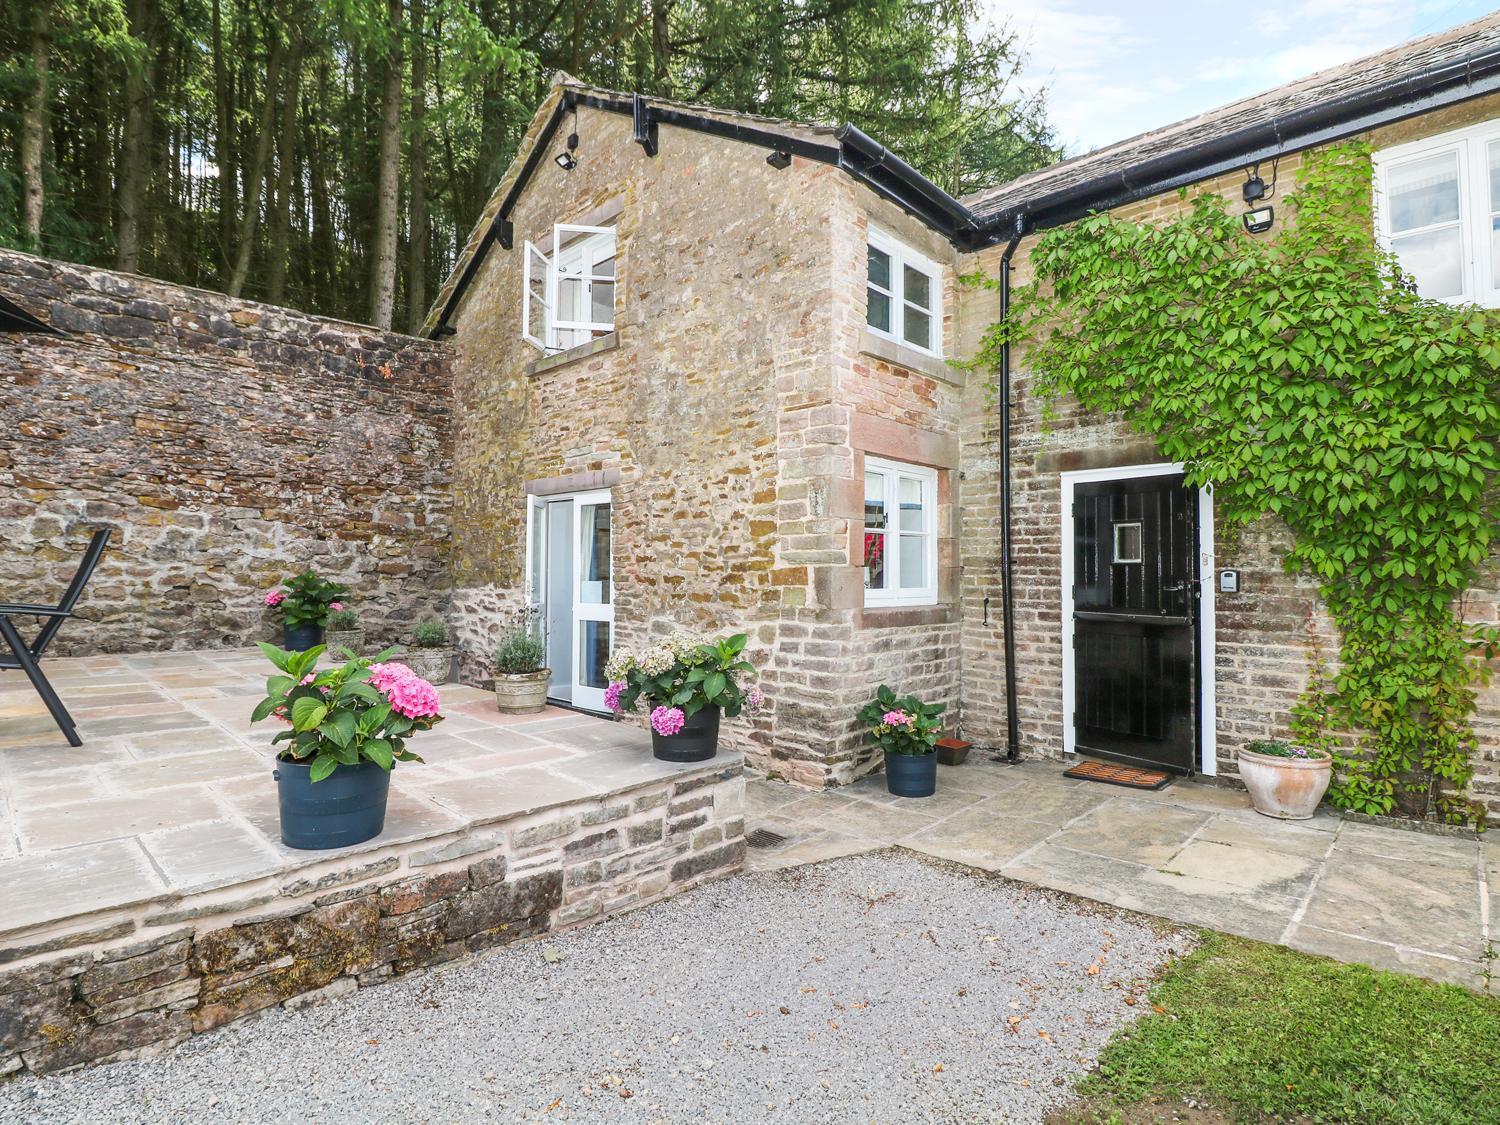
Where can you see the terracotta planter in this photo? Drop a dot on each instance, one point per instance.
(521, 693)
(952, 751)
(336, 639)
(1285, 788)
(432, 664)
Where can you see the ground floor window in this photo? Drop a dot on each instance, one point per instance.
(900, 533)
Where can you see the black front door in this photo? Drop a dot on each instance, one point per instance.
(1135, 621)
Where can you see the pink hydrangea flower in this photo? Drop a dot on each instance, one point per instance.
(335, 605)
(275, 597)
(896, 719)
(382, 676)
(754, 698)
(413, 697)
(668, 720)
(612, 696)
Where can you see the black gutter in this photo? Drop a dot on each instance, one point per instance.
(1007, 584)
(13, 318)
(881, 169)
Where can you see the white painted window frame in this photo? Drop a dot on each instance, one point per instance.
(1208, 743)
(894, 594)
(902, 255)
(555, 274)
(1481, 277)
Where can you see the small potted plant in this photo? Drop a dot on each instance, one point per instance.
(907, 730)
(521, 677)
(304, 602)
(346, 727)
(1285, 781)
(344, 631)
(686, 683)
(429, 654)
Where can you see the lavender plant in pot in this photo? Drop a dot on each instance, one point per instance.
(343, 632)
(907, 730)
(686, 683)
(347, 726)
(429, 655)
(1285, 781)
(521, 677)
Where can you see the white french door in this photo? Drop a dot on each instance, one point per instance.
(570, 575)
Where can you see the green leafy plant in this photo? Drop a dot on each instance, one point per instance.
(343, 619)
(430, 633)
(902, 724)
(521, 651)
(362, 710)
(1303, 377)
(306, 599)
(1276, 748)
(680, 677)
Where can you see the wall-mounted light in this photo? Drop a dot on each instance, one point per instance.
(1259, 221)
(779, 159)
(565, 159)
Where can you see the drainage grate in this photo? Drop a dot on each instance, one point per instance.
(765, 838)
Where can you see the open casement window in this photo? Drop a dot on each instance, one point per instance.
(903, 294)
(1438, 210)
(569, 295)
(900, 534)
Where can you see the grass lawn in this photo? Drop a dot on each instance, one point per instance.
(1262, 1031)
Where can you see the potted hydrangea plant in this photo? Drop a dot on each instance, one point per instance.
(346, 727)
(304, 603)
(521, 677)
(429, 654)
(1285, 781)
(907, 730)
(686, 683)
(343, 631)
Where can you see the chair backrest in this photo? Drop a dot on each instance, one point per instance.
(74, 591)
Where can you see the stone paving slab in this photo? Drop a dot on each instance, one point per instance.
(1192, 852)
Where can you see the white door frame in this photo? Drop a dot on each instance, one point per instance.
(586, 697)
(1208, 717)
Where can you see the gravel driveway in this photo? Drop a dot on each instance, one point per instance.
(884, 987)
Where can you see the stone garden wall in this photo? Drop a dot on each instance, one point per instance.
(173, 969)
(229, 444)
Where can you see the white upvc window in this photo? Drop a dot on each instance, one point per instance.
(900, 534)
(568, 292)
(904, 294)
(1437, 204)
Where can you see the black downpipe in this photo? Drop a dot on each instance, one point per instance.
(1007, 586)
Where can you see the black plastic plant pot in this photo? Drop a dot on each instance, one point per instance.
(911, 775)
(697, 741)
(300, 638)
(346, 807)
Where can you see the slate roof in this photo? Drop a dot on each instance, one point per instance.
(1326, 85)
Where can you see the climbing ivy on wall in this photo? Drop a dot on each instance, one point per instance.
(1302, 377)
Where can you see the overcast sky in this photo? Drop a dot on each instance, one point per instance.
(1114, 69)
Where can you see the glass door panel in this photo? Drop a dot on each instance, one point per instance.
(593, 605)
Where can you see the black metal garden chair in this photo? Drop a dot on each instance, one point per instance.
(26, 657)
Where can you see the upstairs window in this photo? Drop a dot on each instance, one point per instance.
(569, 293)
(900, 539)
(1438, 208)
(903, 295)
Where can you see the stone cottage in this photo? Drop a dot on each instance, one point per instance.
(708, 373)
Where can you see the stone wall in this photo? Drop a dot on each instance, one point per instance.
(155, 980)
(229, 444)
(1264, 634)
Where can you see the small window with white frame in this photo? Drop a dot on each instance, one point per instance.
(904, 294)
(900, 534)
(568, 296)
(1438, 210)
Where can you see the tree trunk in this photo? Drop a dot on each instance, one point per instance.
(286, 160)
(33, 129)
(251, 218)
(135, 146)
(416, 267)
(387, 197)
(224, 147)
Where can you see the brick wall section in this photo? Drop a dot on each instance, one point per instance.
(168, 975)
(1263, 633)
(229, 444)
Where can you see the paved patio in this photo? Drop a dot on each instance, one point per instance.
(1192, 852)
(171, 794)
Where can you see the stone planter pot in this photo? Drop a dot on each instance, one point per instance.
(521, 693)
(1285, 788)
(697, 741)
(352, 639)
(300, 638)
(432, 664)
(346, 807)
(911, 775)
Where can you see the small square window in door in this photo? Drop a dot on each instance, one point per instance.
(1127, 542)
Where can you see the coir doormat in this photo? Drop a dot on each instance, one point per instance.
(1132, 777)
